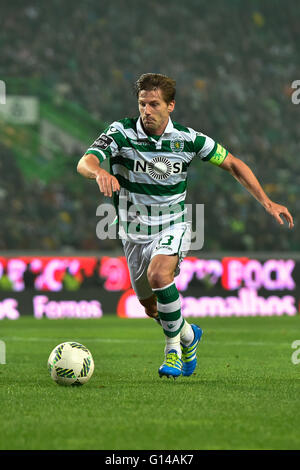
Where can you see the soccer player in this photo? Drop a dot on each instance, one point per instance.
(149, 156)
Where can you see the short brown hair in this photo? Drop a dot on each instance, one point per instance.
(153, 81)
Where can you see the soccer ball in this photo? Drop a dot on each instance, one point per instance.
(70, 363)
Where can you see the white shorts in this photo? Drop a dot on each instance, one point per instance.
(171, 241)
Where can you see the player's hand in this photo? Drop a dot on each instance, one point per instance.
(277, 211)
(107, 183)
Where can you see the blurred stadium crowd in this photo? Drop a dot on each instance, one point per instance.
(234, 63)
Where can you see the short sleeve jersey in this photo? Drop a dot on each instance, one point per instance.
(152, 172)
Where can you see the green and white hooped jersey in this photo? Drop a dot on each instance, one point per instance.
(152, 173)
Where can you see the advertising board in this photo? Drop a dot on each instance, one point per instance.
(90, 286)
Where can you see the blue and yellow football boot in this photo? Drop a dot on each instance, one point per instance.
(171, 366)
(189, 358)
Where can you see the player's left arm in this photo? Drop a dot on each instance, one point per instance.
(245, 176)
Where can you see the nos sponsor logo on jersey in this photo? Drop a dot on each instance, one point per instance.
(160, 168)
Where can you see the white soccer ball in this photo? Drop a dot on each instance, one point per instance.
(70, 363)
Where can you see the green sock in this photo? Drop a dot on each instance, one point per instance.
(169, 311)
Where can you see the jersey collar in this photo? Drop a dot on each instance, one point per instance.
(142, 135)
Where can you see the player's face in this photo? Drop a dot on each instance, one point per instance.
(154, 111)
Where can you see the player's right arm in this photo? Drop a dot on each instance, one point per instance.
(89, 167)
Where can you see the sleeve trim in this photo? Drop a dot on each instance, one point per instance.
(98, 153)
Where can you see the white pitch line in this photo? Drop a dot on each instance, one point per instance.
(90, 340)
(140, 340)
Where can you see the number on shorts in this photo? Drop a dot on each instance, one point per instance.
(169, 240)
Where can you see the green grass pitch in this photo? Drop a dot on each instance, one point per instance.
(245, 393)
